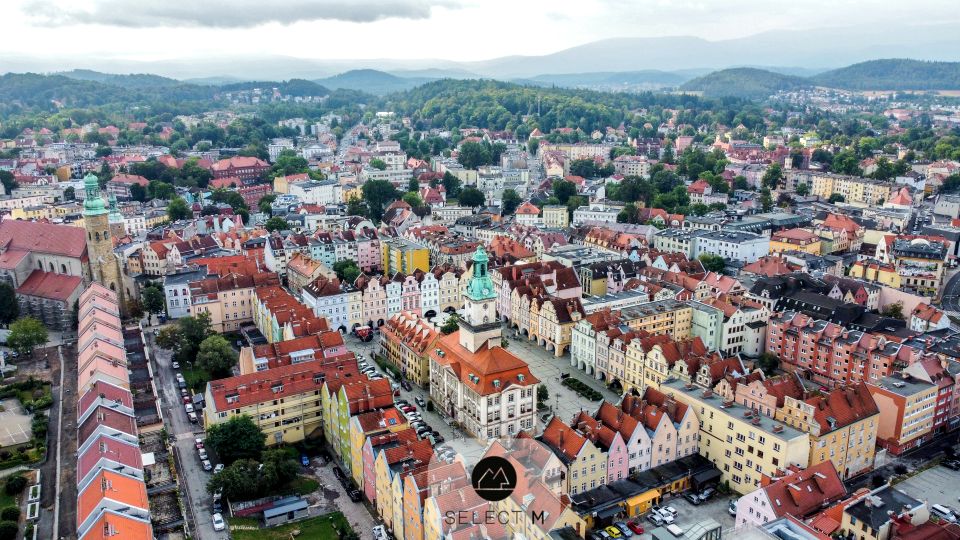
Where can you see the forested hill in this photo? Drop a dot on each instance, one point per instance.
(293, 87)
(750, 83)
(498, 105)
(133, 80)
(893, 74)
(19, 91)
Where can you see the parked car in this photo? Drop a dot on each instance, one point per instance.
(693, 498)
(421, 402)
(655, 518)
(732, 508)
(218, 468)
(406, 385)
(635, 526)
(188, 407)
(192, 417)
(203, 453)
(304, 460)
(355, 495)
(614, 532)
(217, 507)
(379, 533)
(671, 510)
(218, 523)
(707, 493)
(198, 442)
(623, 529)
(952, 464)
(207, 466)
(176, 365)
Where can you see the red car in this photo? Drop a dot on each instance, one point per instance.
(635, 527)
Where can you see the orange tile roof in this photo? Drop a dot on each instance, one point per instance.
(487, 365)
(110, 485)
(291, 380)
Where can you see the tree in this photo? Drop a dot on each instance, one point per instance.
(803, 189)
(26, 334)
(10, 513)
(184, 338)
(69, 194)
(712, 263)
(237, 438)
(237, 481)
(160, 190)
(740, 182)
(347, 270)
(894, 310)
(233, 198)
(287, 163)
(576, 202)
(14, 484)
(846, 162)
(543, 394)
(153, 298)
(766, 201)
(276, 224)
(178, 209)
(356, 207)
(472, 197)
(216, 355)
(378, 194)
(772, 176)
(413, 185)
(138, 192)
(451, 326)
(472, 155)
(9, 307)
(585, 167)
(264, 203)
(563, 190)
(412, 199)
(9, 181)
(510, 201)
(451, 184)
(835, 198)
(533, 145)
(9, 530)
(769, 363)
(877, 480)
(378, 164)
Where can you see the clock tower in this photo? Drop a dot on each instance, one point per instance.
(480, 326)
(104, 266)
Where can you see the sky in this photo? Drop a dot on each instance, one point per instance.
(460, 30)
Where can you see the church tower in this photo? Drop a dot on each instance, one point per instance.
(480, 325)
(117, 228)
(104, 268)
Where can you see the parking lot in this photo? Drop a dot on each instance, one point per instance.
(936, 485)
(14, 423)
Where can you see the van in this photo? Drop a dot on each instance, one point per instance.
(674, 530)
(943, 512)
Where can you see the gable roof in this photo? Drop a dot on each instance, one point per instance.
(803, 493)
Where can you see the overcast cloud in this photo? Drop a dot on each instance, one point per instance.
(224, 13)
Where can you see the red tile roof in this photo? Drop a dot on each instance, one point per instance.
(842, 407)
(51, 286)
(803, 493)
(41, 237)
(487, 365)
(291, 380)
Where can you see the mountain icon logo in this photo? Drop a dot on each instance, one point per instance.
(494, 478)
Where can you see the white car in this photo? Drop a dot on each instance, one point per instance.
(207, 466)
(379, 533)
(218, 523)
(218, 468)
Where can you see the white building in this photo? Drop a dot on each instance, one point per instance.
(276, 146)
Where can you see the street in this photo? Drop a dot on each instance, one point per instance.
(193, 479)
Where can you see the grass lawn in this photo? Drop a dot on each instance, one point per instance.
(302, 485)
(196, 378)
(28, 395)
(319, 528)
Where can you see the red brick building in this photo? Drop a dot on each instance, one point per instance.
(247, 169)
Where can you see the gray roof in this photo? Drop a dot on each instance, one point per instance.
(884, 499)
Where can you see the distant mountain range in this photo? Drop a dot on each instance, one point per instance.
(791, 52)
(374, 82)
(886, 74)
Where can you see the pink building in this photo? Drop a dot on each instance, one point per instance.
(633, 433)
(374, 299)
(609, 441)
(410, 295)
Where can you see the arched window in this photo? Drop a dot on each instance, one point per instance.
(40, 265)
(63, 269)
(106, 235)
(97, 236)
(51, 267)
(113, 287)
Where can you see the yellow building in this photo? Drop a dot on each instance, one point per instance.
(390, 462)
(370, 424)
(795, 240)
(402, 255)
(663, 317)
(885, 274)
(871, 516)
(742, 444)
(405, 342)
(585, 464)
(555, 216)
(284, 401)
(28, 213)
(842, 426)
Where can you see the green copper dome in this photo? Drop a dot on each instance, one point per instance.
(93, 203)
(481, 286)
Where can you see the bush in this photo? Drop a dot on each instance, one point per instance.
(900, 469)
(15, 484)
(8, 530)
(429, 406)
(10, 513)
(582, 389)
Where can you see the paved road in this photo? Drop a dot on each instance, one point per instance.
(193, 479)
(951, 293)
(67, 522)
(910, 459)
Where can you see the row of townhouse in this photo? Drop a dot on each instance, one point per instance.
(228, 300)
(111, 489)
(855, 189)
(373, 300)
(280, 316)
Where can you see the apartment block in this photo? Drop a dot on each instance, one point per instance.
(907, 406)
